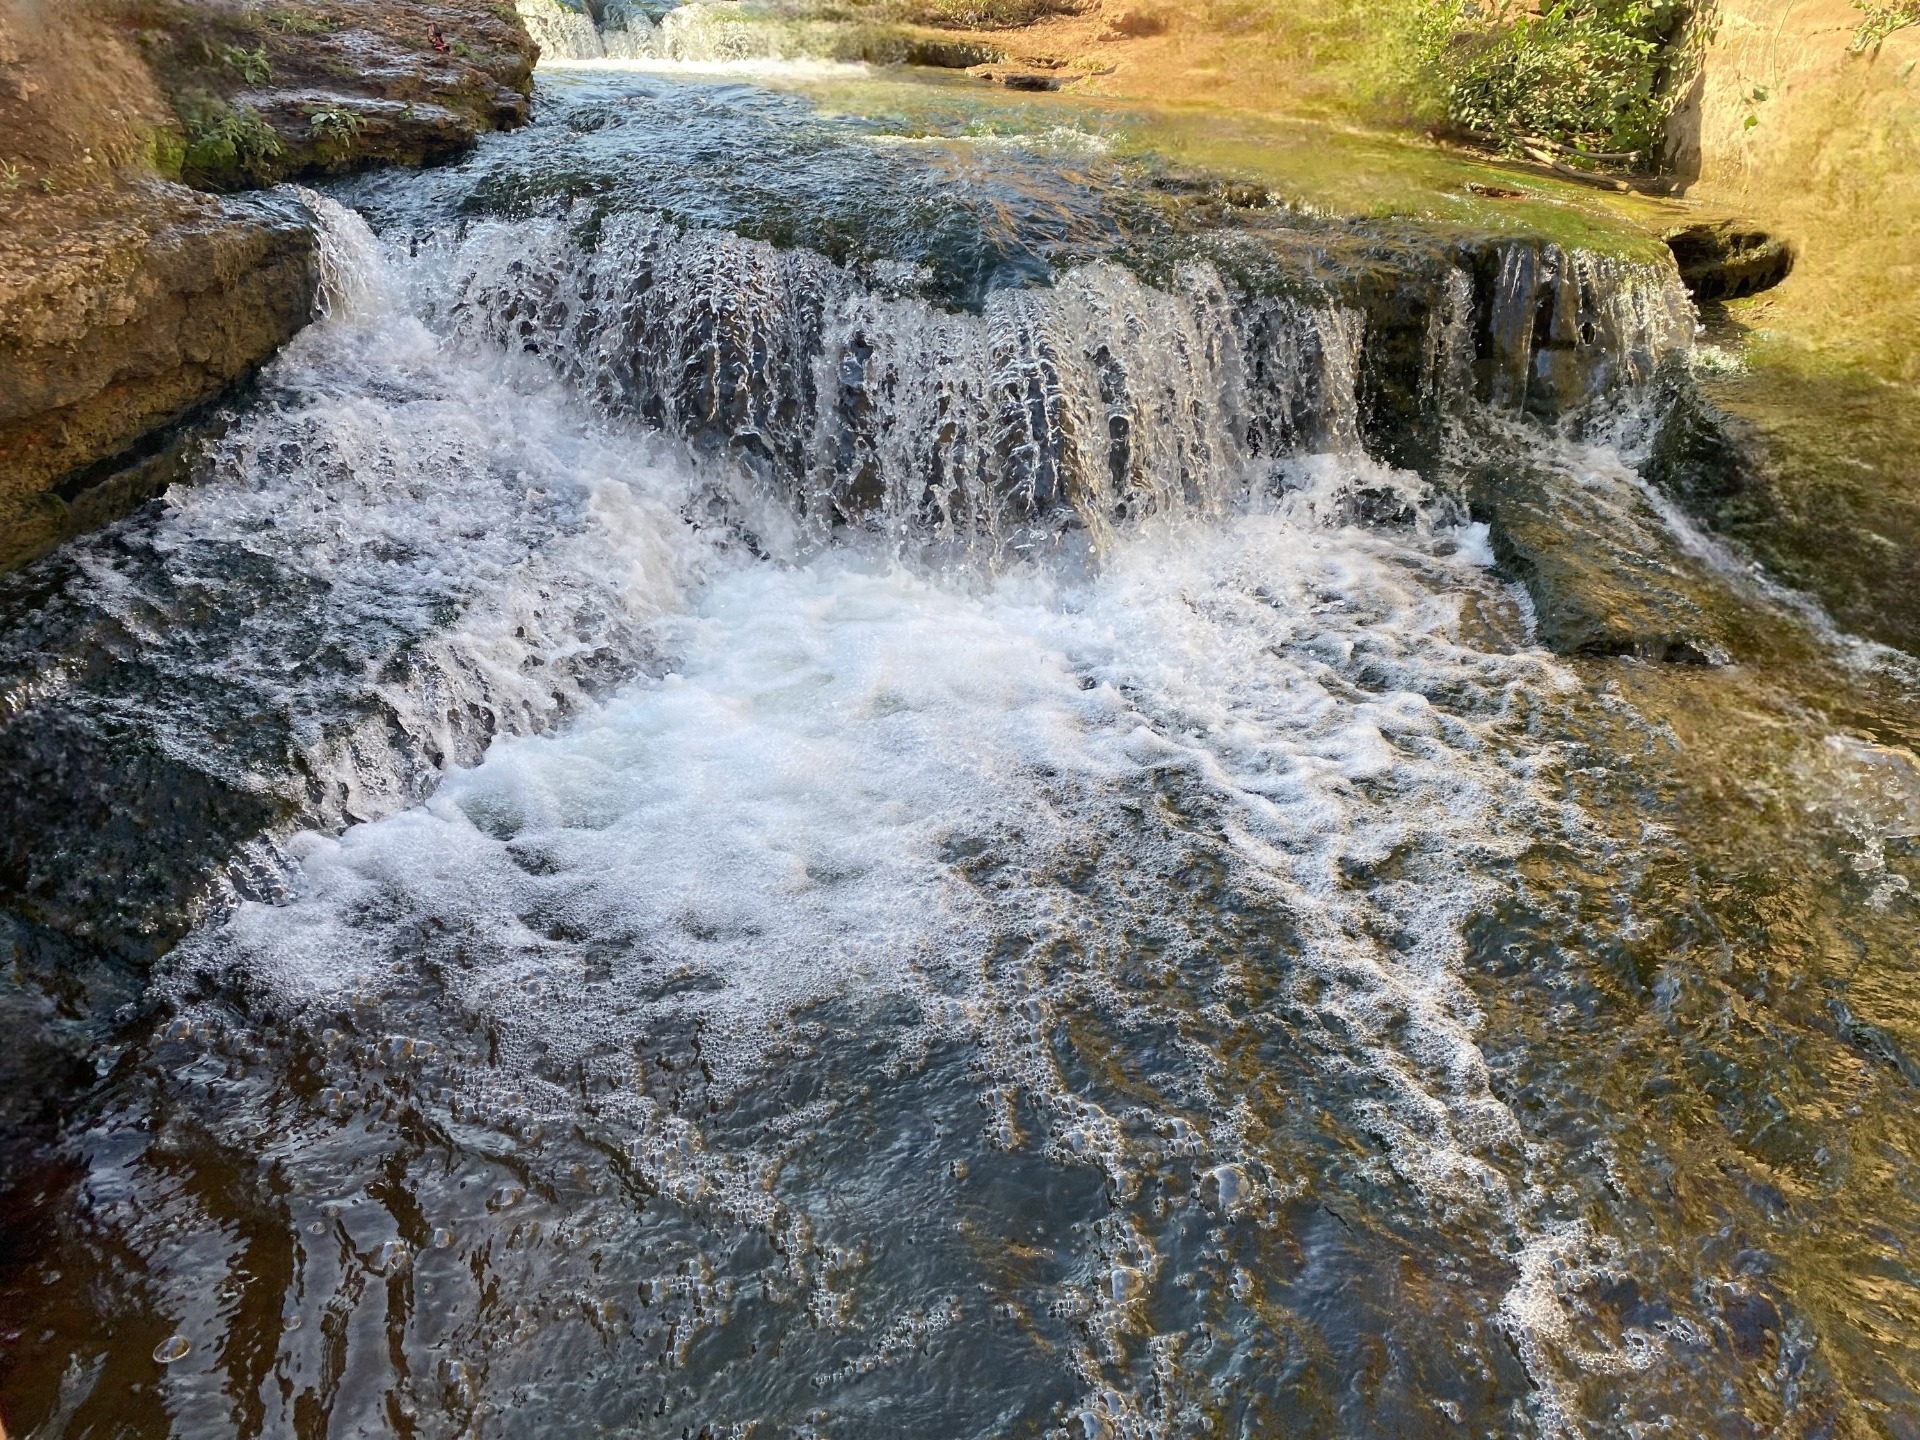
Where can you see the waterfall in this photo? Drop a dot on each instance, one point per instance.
(909, 841)
(1098, 399)
(1082, 404)
(698, 33)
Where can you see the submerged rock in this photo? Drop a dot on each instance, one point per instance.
(1814, 471)
(1016, 76)
(1605, 575)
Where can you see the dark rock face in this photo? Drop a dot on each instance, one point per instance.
(1729, 259)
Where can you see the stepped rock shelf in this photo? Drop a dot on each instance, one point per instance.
(129, 300)
(844, 752)
(147, 303)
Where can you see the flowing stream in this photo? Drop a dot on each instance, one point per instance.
(791, 779)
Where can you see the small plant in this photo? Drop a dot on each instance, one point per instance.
(334, 127)
(9, 176)
(299, 22)
(231, 142)
(1882, 21)
(251, 66)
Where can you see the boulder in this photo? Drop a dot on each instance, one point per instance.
(1728, 259)
(120, 313)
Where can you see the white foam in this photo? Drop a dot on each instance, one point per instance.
(415, 547)
(771, 818)
(765, 67)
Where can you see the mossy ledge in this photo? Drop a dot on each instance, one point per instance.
(130, 297)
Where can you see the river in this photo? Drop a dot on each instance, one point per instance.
(831, 763)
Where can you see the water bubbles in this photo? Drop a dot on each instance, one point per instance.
(171, 1349)
(1226, 1188)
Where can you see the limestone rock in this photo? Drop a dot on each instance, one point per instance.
(129, 300)
(122, 312)
(263, 93)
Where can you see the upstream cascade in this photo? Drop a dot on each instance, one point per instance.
(758, 842)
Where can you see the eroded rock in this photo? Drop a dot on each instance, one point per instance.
(128, 299)
(266, 92)
(121, 312)
(1729, 259)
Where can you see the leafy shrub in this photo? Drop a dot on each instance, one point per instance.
(1594, 76)
(230, 144)
(251, 66)
(1882, 21)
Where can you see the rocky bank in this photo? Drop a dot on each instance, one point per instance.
(137, 281)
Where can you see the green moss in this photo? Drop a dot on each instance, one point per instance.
(165, 151)
(1309, 165)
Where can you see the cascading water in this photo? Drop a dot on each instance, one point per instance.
(761, 854)
(1099, 399)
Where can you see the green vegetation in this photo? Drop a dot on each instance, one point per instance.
(334, 127)
(1582, 81)
(982, 14)
(251, 66)
(299, 22)
(226, 144)
(1882, 21)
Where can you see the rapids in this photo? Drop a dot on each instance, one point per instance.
(921, 818)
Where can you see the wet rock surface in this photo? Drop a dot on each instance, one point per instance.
(1813, 475)
(1729, 259)
(1147, 987)
(1599, 563)
(130, 300)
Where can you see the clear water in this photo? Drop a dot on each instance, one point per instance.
(529, 914)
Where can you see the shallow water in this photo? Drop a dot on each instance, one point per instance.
(541, 913)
